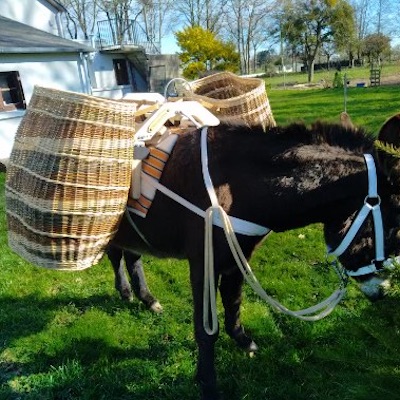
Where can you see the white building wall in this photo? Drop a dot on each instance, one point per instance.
(104, 71)
(36, 13)
(58, 71)
(104, 83)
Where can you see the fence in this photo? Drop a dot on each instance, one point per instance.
(115, 32)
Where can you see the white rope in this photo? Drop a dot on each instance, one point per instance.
(209, 304)
(209, 290)
(326, 306)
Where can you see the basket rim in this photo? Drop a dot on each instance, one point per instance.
(81, 98)
(257, 91)
(226, 74)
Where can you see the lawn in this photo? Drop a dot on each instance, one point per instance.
(68, 336)
(369, 107)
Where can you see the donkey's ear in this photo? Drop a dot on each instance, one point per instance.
(388, 148)
(390, 131)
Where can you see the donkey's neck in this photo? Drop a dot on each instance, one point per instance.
(317, 190)
(292, 180)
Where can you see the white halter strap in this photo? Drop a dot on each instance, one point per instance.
(360, 219)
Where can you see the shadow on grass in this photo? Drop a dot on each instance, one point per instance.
(348, 357)
(85, 367)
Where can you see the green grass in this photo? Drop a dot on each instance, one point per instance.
(68, 336)
(369, 107)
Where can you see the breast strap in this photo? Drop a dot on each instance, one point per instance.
(240, 226)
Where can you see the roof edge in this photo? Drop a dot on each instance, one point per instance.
(43, 50)
(57, 5)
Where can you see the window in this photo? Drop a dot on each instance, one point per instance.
(121, 71)
(11, 93)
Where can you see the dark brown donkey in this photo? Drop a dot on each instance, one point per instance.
(284, 179)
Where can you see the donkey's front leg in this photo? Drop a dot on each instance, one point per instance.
(206, 374)
(134, 266)
(231, 295)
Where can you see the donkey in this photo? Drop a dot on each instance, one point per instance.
(287, 178)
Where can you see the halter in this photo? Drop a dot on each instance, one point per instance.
(372, 204)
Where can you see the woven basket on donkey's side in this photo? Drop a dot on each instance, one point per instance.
(68, 178)
(233, 97)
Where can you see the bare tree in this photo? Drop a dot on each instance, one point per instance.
(156, 18)
(246, 22)
(385, 17)
(80, 17)
(207, 14)
(328, 50)
(119, 14)
(375, 17)
(124, 18)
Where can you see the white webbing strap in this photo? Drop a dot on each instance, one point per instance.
(240, 225)
(209, 304)
(204, 166)
(360, 219)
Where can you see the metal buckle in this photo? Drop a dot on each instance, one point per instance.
(376, 203)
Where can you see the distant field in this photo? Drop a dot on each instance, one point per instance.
(67, 336)
(359, 74)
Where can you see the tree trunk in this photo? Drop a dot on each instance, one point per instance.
(310, 70)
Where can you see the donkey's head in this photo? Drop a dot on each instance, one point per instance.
(368, 240)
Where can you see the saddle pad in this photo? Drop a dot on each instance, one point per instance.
(152, 166)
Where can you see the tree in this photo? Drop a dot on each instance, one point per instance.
(375, 45)
(328, 50)
(384, 21)
(344, 29)
(208, 14)
(80, 17)
(155, 17)
(310, 23)
(362, 21)
(266, 59)
(119, 13)
(202, 51)
(247, 23)
(377, 16)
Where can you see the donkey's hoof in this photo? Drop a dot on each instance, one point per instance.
(156, 307)
(252, 348)
(126, 295)
(243, 341)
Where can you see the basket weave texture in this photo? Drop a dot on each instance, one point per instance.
(68, 178)
(228, 95)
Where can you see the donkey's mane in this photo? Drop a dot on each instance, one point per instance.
(355, 140)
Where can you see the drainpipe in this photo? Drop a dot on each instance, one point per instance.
(60, 28)
(86, 76)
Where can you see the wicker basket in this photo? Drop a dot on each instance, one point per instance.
(68, 178)
(228, 95)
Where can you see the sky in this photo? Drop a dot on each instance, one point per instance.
(168, 44)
